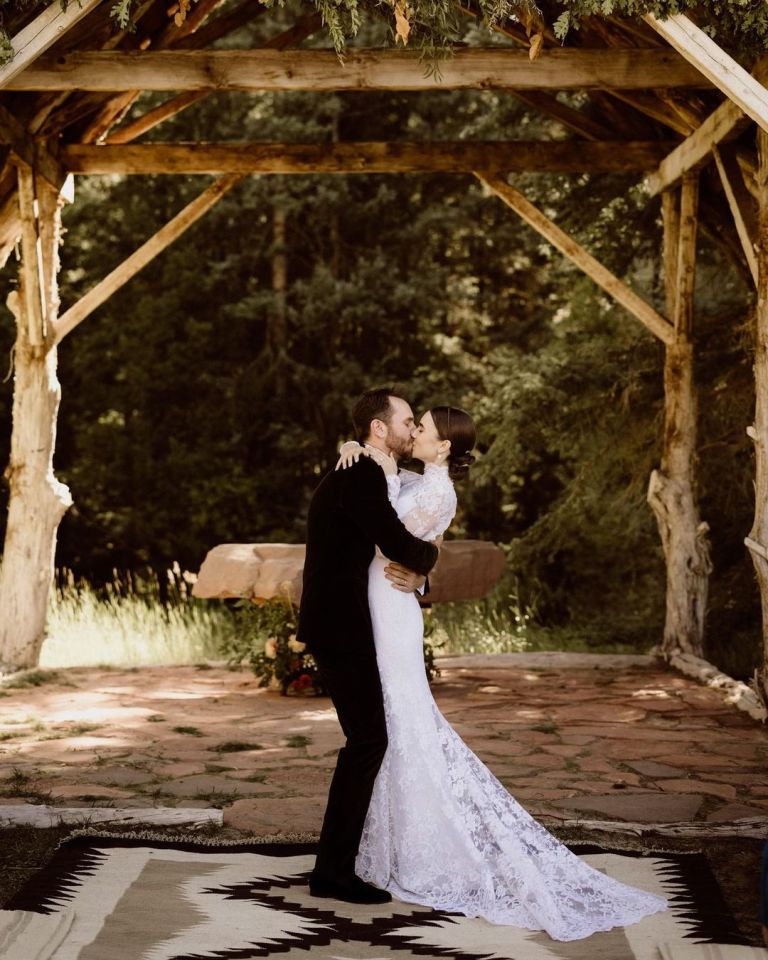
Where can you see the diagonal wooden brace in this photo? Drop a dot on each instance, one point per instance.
(612, 285)
(141, 257)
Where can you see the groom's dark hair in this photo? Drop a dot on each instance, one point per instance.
(373, 405)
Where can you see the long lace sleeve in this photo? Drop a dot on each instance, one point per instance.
(434, 504)
(393, 488)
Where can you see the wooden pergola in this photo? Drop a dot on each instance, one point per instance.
(665, 101)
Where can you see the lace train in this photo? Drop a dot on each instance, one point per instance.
(441, 829)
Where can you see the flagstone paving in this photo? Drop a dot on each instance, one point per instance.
(619, 738)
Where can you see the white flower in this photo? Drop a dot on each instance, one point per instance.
(296, 645)
(270, 648)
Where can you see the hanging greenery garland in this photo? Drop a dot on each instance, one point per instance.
(435, 26)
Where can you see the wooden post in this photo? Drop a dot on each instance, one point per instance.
(757, 541)
(671, 487)
(37, 500)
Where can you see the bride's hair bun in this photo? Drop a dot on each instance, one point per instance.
(457, 426)
(458, 467)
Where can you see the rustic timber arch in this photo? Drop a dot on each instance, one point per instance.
(657, 87)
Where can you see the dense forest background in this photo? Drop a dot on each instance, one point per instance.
(203, 402)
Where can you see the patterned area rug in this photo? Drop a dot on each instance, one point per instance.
(145, 898)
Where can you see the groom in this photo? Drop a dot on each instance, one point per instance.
(349, 516)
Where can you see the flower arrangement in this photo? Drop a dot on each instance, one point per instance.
(267, 639)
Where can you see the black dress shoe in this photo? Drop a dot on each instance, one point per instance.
(352, 890)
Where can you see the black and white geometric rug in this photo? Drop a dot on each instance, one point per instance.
(118, 898)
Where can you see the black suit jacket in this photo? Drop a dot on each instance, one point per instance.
(350, 514)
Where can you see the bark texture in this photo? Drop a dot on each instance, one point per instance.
(671, 490)
(757, 541)
(37, 500)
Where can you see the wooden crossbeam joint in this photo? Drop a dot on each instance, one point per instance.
(41, 33)
(34, 153)
(715, 64)
(756, 548)
(724, 123)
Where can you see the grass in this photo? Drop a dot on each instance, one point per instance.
(236, 746)
(298, 740)
(546, 726)
(31, 678)
(502, 623)
(20, 785)
(126, 624)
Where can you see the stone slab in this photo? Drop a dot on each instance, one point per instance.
(725, 791)
(548, 660)
(88, 790)
(650, 768)
(466, 570)
(266, 817)
(44, 816)
(737, 811)
(639, 807)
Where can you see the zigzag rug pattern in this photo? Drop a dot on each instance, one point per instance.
(117, 898)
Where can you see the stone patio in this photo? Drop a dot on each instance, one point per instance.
(614, 738)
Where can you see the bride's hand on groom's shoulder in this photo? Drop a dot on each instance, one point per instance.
(349, 453)
(387, 463)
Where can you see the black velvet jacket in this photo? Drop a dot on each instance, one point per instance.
(350, 514)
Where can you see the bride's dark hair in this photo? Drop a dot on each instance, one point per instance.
(457, 426)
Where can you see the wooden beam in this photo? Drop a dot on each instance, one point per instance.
(727, 120)
(603, 277)
(743, 207)
(141, 257)
(564, 156)
(715, 64)
(33, 153)
(31, 269)
(34, 39)
(178, 70)
(152, 118)
(299, 31)
(117, 107)
(654, 107)
(575, 120)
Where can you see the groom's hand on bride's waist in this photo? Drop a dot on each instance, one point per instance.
(402, 578)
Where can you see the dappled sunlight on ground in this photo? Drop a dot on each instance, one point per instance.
(633, 742)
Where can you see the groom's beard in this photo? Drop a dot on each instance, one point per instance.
(401, 449)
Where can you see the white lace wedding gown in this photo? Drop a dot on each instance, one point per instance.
(441, 830)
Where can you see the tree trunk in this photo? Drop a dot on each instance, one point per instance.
(757, 541)
(671, 487)
(37, 500)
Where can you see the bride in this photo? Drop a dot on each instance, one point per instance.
(441, 830)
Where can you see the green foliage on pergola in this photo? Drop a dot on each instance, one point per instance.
(435, 26)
